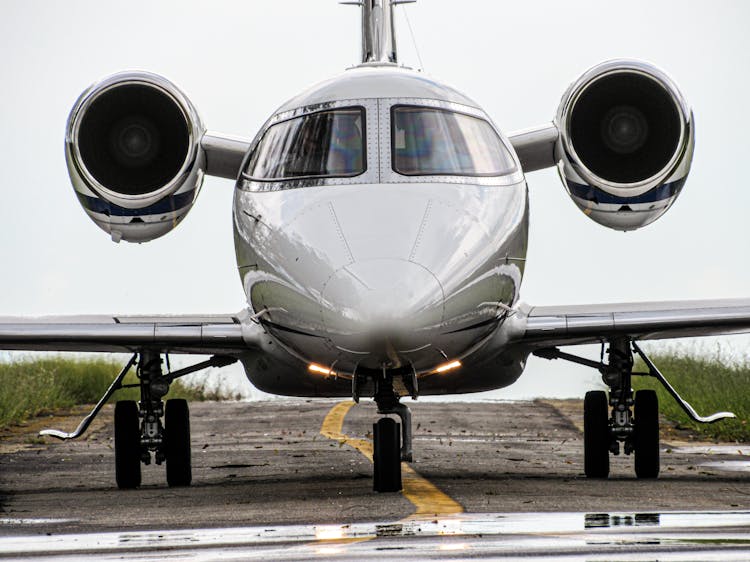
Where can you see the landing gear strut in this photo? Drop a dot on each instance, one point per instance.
(626, 417)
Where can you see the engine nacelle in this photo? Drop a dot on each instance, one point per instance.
(133, 149)
(625, 144)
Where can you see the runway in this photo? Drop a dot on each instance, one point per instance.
(292, 480)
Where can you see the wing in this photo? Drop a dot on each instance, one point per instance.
(545, 326)
(198, 334)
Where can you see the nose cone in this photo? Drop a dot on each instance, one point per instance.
(382, 307)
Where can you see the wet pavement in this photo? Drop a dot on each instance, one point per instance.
(577, 536)
(489, 479)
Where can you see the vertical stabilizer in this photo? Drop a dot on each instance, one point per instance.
(378, 30)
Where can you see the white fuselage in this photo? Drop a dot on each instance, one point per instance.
(382, 270)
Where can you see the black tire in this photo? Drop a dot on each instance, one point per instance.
(386, 455)
(596, 436)
(177, 443)
(646, 434)
(127, 445)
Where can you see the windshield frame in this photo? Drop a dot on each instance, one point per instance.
(486, 122)
(303, 115)
(389, 175)
(378, 131)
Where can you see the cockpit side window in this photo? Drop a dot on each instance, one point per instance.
(325, 144)
(430, 141)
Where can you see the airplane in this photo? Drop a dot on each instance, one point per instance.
(380, 225)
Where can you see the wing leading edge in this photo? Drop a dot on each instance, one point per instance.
(537, 327)
(545, 326)
(207, 334)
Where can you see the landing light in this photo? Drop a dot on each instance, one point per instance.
(314, 368)
(445, 367)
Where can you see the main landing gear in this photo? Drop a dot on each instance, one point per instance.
(392, 441)
(139, 430)
(627, 418)
(149, 429)
(634, 420)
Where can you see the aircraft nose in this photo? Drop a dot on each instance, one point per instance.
(382, 305)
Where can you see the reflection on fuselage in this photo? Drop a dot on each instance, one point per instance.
(406, 265)
(383, 274)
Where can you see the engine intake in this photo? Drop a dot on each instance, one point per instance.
(134, 155)
(626, 143)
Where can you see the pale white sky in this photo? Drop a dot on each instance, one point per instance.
(239, 60)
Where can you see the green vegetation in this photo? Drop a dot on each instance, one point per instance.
(709, 384)
(30, 387)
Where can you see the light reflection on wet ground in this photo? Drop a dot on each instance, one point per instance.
(731, 466)
(590, 536)
(10, 521)
(736, 449)
(262, 465)
(740, 450)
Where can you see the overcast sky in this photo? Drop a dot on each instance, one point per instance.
(238, 61)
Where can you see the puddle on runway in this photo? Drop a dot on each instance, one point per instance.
(730, 466)
(36, 521)
(606, 520)
(524, 531)
(737, 450)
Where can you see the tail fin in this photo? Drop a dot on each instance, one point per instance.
(378, 30)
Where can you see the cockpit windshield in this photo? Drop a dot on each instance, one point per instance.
(317, 145)
(429, 141)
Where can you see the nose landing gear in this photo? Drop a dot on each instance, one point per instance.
(392, 442)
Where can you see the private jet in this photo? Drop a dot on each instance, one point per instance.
(380, 223)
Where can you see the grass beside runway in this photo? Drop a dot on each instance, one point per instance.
(709, 384)
(34, 386)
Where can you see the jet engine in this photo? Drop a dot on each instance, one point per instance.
(133, 149)
(625, 143)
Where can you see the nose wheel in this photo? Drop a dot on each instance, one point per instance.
(391, 441)
(386, 455)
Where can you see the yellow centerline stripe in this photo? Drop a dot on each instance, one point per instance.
(427, 498)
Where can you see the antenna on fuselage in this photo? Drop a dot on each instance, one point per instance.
(378, 30)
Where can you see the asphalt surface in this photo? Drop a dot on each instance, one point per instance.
(271, 478)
